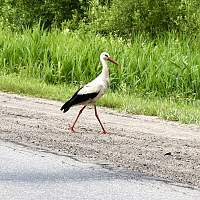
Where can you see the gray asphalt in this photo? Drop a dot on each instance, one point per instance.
(34, 174)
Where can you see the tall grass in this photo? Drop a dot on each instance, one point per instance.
(168, 65)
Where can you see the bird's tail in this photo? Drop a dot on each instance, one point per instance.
(70, 102)
(66, 106)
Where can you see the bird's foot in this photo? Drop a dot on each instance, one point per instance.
(103, 132)
(71, 129)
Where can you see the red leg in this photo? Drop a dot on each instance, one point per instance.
(72, 127)
(104, 132)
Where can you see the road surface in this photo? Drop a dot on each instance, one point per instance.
(140, 144)
(29, 174)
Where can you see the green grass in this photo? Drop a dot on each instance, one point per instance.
(166, 66)
(33, 87)
(156, 77)
(182, 110)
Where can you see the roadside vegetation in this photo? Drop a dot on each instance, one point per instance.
(50, 54)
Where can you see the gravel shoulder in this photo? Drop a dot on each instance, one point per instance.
(143, 144)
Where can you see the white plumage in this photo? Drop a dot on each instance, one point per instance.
(92, 91)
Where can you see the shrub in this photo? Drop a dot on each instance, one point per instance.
(26, 13)
(121, 17)
(149, 16)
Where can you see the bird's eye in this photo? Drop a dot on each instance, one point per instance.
(106, 55)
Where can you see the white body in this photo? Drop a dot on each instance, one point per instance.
(99, 85)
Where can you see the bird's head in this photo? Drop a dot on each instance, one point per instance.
(105, 56)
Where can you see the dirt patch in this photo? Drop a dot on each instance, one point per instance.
(143, 144)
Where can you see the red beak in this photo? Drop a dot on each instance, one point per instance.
(113, 61)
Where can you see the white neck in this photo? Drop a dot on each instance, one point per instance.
(105, 69)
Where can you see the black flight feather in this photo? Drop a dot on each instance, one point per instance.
(78, 99)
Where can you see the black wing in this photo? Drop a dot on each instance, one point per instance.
(78, 99)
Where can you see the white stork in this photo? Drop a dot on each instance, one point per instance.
(91, 92)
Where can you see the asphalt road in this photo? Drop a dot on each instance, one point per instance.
(142, 144)
(28, 174)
